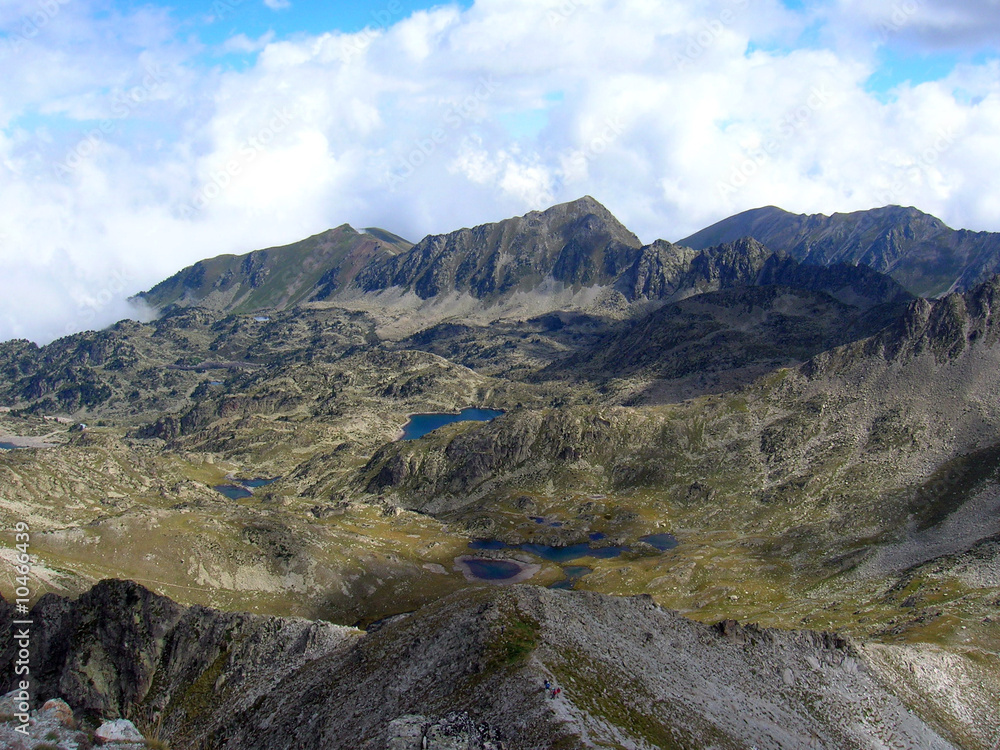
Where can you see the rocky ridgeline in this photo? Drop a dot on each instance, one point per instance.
(497, 669)
(916, 249)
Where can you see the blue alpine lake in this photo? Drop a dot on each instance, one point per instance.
(233, 491)
(492, 570)
(258, 482)
(553, 554)
(568, 553)
(498, 570)
(8, 446)
(420, 424)
(662, 542)
(243, 488)
(573, 574)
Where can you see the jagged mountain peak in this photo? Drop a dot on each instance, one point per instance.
(917, 249)
(576, 244)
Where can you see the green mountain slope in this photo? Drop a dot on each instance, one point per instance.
(279, 277)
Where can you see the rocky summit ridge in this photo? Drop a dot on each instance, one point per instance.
(468, 671)
(574, 246)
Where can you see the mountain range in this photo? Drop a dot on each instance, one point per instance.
(782, 420)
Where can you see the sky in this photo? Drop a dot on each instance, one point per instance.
(137, 138)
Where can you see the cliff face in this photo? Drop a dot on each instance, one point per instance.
(471, 666)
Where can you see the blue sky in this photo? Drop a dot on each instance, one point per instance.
(216, 21)
(137, 138)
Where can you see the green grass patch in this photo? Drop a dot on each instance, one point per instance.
(616, 699)
(517, 637)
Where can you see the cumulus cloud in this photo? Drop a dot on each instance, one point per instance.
(673, 114)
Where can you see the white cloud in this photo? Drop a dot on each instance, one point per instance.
(655, 108)
(278, 4)
(928, 24)
(242, 44)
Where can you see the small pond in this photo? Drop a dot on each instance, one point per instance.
(556, 554)
(492, 570)
(540, 520)
(258, 482)
(8, 446)
(420, 424)
(573, 574)
(243, 488)
(662, 542)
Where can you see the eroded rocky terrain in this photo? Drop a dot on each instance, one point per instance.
(821, 446)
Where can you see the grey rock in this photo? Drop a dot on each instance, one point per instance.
(406, 732)
(118, 730)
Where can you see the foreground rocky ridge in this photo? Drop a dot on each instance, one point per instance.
(632, 675)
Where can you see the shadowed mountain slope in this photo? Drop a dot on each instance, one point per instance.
(916, 249)
(852, 435)
(743, 311)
